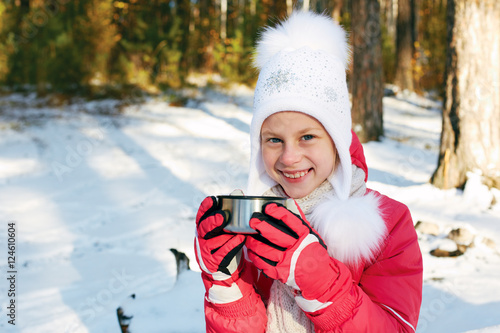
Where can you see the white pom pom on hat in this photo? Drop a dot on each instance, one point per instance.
(319, 32)
(302, 64)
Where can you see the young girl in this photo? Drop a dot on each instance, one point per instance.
(350, 261)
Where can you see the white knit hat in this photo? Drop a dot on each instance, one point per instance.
(302, 64)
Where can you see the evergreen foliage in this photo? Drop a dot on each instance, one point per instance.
(95, 45)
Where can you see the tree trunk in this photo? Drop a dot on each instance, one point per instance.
(366, 78)
(253, 7)
(184, 12)
(223, 19)
(313, 4)
(289, 7)
(470, 138)
(337, 10)
(404, 45)
(305, 5)
(389, 13)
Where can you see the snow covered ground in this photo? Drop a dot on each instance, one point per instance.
(98, 199)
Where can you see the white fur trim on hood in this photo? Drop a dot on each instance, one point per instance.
(353, 229)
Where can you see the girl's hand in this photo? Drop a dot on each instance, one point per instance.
(288, 249)
(218, 254)
(215, 248)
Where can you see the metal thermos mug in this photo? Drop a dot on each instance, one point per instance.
(241, 208)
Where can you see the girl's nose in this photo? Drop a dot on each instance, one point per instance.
(290, 155)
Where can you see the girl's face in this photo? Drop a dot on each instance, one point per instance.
(297, 151)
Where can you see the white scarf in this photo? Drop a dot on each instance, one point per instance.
(283, 313)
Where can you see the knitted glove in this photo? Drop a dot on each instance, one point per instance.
(288, 249)
(218, 255)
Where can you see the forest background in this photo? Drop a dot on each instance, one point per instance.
(444, 49)
(110, 47)
(76, 77)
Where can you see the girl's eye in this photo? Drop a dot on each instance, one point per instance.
(308, 137)
(274, 140)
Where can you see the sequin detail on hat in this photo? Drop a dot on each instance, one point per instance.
(330, 94)
(278, 79)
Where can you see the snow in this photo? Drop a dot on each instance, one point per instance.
(99, 197)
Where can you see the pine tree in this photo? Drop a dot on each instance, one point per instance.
(470, 138)
(404, 44)
(366, 78)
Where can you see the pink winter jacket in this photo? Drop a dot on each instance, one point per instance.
(378, 295)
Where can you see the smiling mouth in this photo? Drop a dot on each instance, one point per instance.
(295, 175)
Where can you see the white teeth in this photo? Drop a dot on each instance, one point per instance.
(296, 175)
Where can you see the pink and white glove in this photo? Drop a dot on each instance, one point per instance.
(288, 249)
(218, 254)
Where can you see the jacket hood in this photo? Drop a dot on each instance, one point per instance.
(358, 154)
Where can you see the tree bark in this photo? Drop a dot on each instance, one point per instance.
(289, 7)
(183, 11)
(470, 138)
(389, 14)
(404, 45)
(223, 19)
(337, 10)
(366, 78)
(305, 5)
